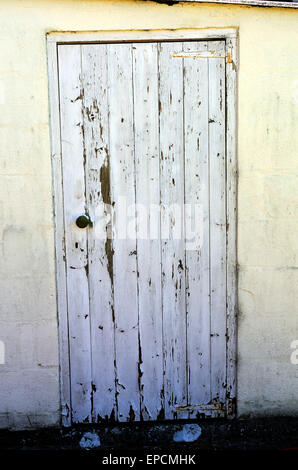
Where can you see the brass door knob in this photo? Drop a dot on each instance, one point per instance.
(83, 221)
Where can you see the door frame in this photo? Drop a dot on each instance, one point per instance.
(230, 35)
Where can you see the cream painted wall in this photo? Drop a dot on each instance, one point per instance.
(268, 196)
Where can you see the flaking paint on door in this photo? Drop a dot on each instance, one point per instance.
(144, 123)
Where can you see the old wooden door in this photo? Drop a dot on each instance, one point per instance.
(143, 156)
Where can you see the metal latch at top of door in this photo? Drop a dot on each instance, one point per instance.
(202, 55)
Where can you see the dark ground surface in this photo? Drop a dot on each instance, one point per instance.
(249, 441)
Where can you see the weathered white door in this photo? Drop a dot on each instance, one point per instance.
(143, 156)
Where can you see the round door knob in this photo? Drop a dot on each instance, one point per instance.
(83, 221)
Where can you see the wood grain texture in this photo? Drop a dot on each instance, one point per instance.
(217, 206)
(231, 201)
(172, 226)
(121, 115)
(146, 128)
(197, 193)
(96, 136)
(143, 124)
(73, 151)
(61, 288)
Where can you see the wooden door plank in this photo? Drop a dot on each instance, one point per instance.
(217, 222)
(231, 189)
(72, 143)
(56, 155)
(146, 127)
(124, 246)
(96, 133)
(197, 248)
(172, 243)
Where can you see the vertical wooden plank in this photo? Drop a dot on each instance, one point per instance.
(217, 222)
(125, 254)
(148, 250)
(231, 185)
(173, 255)
(96, 132)
(73, 154)
(59, 235)
(197, 251)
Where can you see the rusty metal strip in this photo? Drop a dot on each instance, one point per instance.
(198, 55)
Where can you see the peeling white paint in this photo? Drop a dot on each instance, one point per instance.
(90, 441)
(189, 433)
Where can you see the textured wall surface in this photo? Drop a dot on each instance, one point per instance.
(267, 202)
